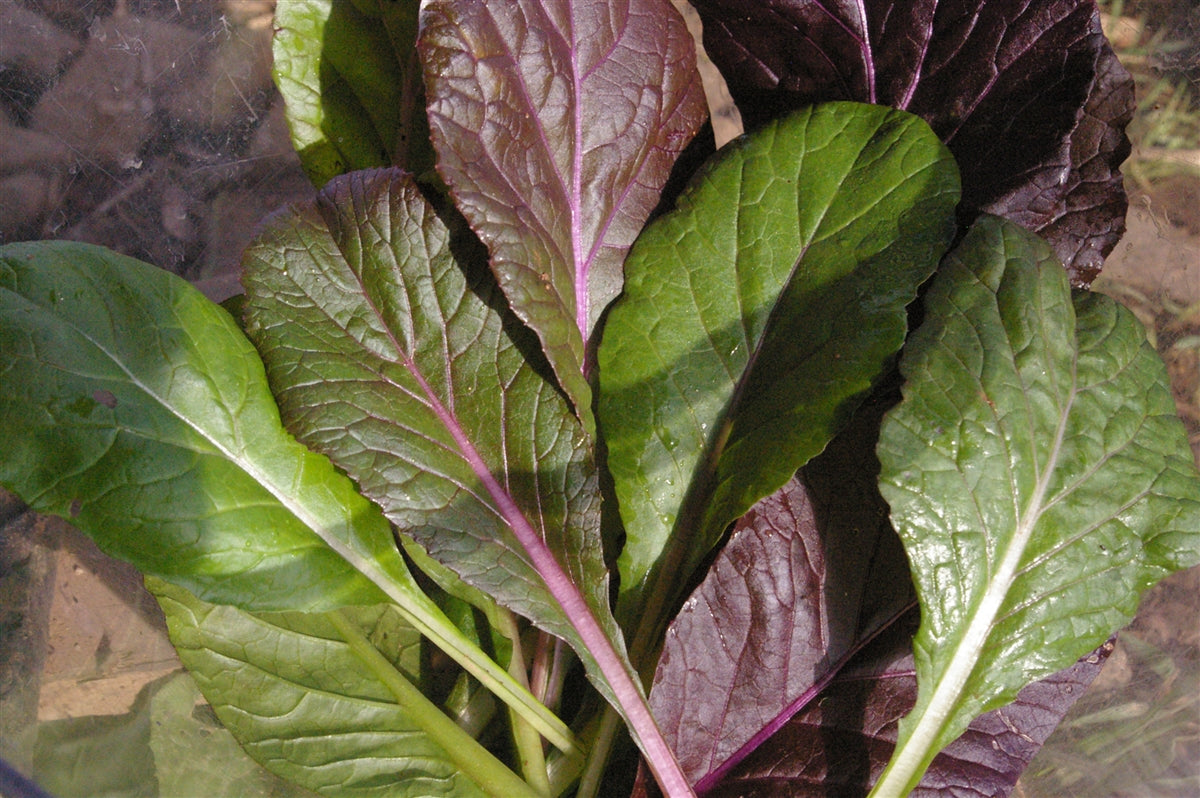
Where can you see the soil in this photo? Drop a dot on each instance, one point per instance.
(152, 127)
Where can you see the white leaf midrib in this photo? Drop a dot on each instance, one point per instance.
(966, 653)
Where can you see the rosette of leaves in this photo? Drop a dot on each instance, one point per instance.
(387, 508)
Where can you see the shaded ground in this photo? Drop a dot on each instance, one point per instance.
(152, 127)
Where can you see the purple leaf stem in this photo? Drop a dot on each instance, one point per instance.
(633, 706)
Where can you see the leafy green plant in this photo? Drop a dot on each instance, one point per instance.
(381, 513)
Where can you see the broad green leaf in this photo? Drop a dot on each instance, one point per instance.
(305, 704)
(391, 350)
(1037, 474)
(557, 123)
(138, 410)
(349, 76)
(195, 755)
(754, 318)
(387, 354)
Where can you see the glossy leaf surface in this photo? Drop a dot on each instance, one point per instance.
(557, 123)
(1029, 96)
(304, 705)
(809, 575)
(390, 349)
(756, 315)
(137, 409)
(1038, 476)
(349, 76)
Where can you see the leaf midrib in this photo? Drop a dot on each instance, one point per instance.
(258, 475)
(948, 690)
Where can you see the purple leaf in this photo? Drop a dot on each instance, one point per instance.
(840, 744)
(1029, 96)
(1089, 219)
(810, 574)
(556, 124)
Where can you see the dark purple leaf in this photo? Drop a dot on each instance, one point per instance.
(1089, 219)
(1029, 96)
(840, 744)
(783, 606)
(556, 124)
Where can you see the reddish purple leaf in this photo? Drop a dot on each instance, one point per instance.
(840, 744)
(1029, 96)
(556, 124)
(809, 575)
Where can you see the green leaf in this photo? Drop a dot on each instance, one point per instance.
(195, 755)
(349, 75)
(1037, 474)
(137, 409)
(754, 318)
(391, 350)
(297, 692)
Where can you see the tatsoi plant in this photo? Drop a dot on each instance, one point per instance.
(516, 452)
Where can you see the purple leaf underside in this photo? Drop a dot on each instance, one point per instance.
(557, 123)
(1029, 97)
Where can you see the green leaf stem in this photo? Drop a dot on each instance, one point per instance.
(1038, 476)
(311, 698)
